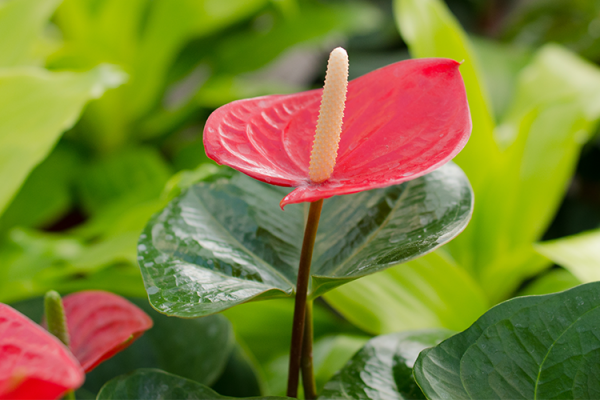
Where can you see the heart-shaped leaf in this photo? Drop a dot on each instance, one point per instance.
(222, 244)
(33, 363)
(101, 324)
(543, 347)
(153, 384)
(382, 369)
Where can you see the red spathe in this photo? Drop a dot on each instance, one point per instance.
(400, 122)
(33, 363)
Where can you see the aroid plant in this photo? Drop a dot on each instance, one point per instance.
(225, 243)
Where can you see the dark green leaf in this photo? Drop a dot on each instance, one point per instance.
(240, 377)
(222, 244)
(382, 369)
(543, 347)
(153, 384)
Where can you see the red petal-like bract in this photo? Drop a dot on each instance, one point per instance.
(33, 363)
(400, 122)
(101, 324)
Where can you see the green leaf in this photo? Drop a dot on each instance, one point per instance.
(134, 176)
(418, 294)
(555, 111)
(223, 244)
(579, 254)
(430, 30)
(555, 280)
(46, 194)
(153, 384)
(21, 24)
(330, 354)
(249, 320)
(543, 347)
(240, 377)
(382, 369)
(35, 108)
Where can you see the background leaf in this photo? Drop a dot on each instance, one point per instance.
(529, 347)
(418, 294)
(56, 99)
(21, 24)
(579, 254)
(152, 384)
(382, 369)
(236, 230)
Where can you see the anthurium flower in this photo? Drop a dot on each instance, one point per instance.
(102, 324)
(399, 122)
(33, 363)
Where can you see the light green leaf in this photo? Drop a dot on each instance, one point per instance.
(249, 320)
(554, 281)
(555, 111)
(21, 24)
(419, 294)
(35, 108)
(579, 254)
(330, 354)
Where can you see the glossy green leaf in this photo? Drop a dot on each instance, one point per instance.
(543, 347)
(579, 254)
(35, 108)
(21, 24)
(222, 244)
(418, 294)
(430, 30)
(153, 384)
(382, 369)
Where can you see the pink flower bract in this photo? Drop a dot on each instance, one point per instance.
(400, 122)
(102, 324)
(33, 363)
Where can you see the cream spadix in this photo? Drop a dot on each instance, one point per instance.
(331, 114)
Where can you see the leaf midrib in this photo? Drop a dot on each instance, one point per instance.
(552, 346)
(374, 234)
(248, 251)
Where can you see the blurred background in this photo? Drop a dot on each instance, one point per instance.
(109, 99)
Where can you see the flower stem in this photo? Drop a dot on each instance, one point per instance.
(310, 233)
(308, 374)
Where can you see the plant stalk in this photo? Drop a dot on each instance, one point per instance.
(310, 233)
(308, 374)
